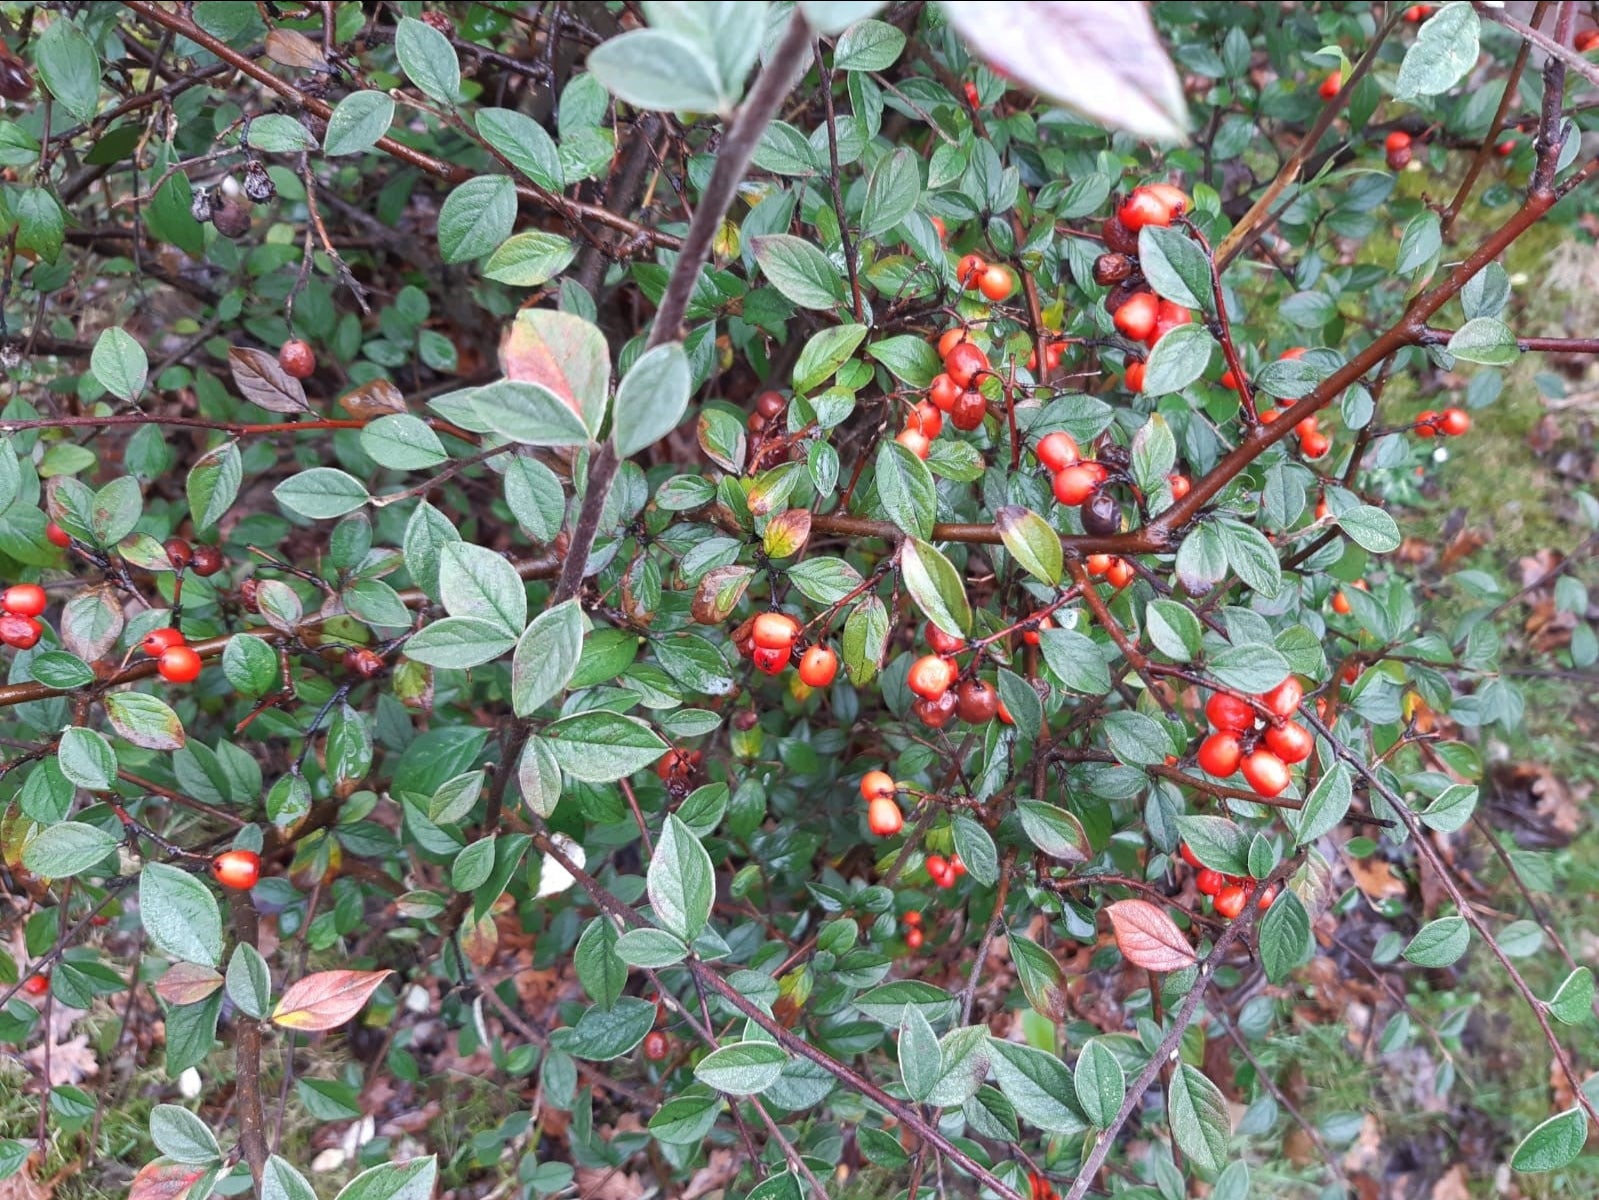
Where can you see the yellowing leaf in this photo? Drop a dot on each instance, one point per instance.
(326, 999)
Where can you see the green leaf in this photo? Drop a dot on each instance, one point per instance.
(651, 399)
(427, 57)
(1200, 1124)
(681, 882)
(523, 143)
(601, 972)
(828, 17)
(477, 216)
(892, 189)
(1370, 528)
(66, 849)
(249, 982)
(358, 121)
(868, 46)
(1251, 555)
(1555, 1142)
(411, 1180)
(1173, 629)
(87, 759)
(686, 1118)
(1042, 980)
(402, 442)
(650, 949)
(935, 585)
(1178, 359)
(1031, 541)
(280, 1181)
(1040, 1086)
(1325, 807)
(144, 720)
(601, 747)
(1439, 943)
(906, 491)
(41, 223)
(653, 69)
(801, 272)
(69, 67)
(476, 582)
(1175, 266)
(1285, 941)
(119, 363)
(250, 665)
(1420, 243)
(458, 643)
(1451, 808)
(1100, 1082)
(742, 1068)
(279, 133)
(1054, 831)
(213, 484)
(1444, 50)
(1572, 1003)
(180, 914)
(910, 359)
(530, 259)
(919, 1057)
(1154, 453)
(321, 493)
(1484, 340)
(1252, 667)
(976, 848)
(181, 1136)
(1217, 842)
(1075, 660)
(528, 413)
(546, 657)
(1136, 739)
(825, 352)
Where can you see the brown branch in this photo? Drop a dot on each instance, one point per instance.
(247, 1055)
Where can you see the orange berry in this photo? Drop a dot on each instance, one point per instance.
(237, 869)
(930, 676)
(883, 817)
(818, 666)
(775, 631)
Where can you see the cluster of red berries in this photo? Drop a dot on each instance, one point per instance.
(1263, 755)
(953, 393)
(1452, 422)
(944, 871)
(20, 606)
(768, 641)
(1397, 147)
(1228, 893)
(977, 274)
(883, 816)
(913, 929)
(237, 869)
(1136, 311)
(933, 678)
(175, 659)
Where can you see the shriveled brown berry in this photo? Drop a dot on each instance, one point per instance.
(1102, 515)
(258, 185)
(746, 720)
(359, 660)
(976, 702)
(232, 220)
(250, 595)
(1112, 268)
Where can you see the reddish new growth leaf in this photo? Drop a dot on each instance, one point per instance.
(187, 983)
(165, 1180)
(1148, 937)
(327, 999)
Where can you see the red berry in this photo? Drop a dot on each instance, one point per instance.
(913, 938)
(883, 817)
(911, 918)
(1314, 445)
(1030, 636)
(237, 869)
(769, 403)
(1180, 486)
(37, 984)
(955, 865)
(914, 440)
(818, 666)
(1189, 856)
(1153, 204)
(1227, 711)
(1121, 573)
(1219, 754)
(951, 338)
(770, 659)
(179, 664)
(927, 418)
(1397, 140)
(158, 641)
(940, 642)
(297, 359)
(1057, 451)
(969, 411)
(1586, 40)
(1209, 882)
(1330, 86)
(1284, 699)
(774, 631)
(936, 711)
(57, 536)
(930, 676)
(1265, 773)
(24, 599)
(207, 560)
(1454, 422)
(996, 283)
(1135, 375)
(1289, 742)
(179, 552)
(1267, 895)
(678, 766)
(1230, 901)
(656, 1045)
(20, 633)
(976, 702)
(876, 784)
(1077, 483)
(1136, 317)
(969, 271)
(964, 364)
(1168, 316)
(943, 392)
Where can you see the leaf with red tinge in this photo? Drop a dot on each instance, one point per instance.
(1148, 937)
(164, 1179)
(264, 383)
(326, 999)
(294, 49)
(1101, 59)
(187, 983)
(564, 353)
